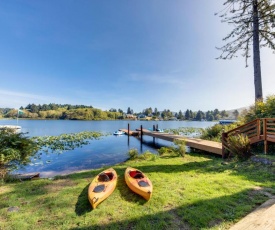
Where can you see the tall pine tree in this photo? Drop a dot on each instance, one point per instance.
(254, 22)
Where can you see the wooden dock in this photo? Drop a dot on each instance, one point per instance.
(130, 133)
(204, 145)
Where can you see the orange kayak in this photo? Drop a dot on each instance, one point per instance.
(138, 182)
(102, 186)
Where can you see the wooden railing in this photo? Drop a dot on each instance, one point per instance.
(268, 131)
(261, 129)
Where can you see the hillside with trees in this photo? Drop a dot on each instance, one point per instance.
(63, 112)
(82, 112)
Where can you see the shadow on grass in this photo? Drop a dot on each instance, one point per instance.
(251, 171)
(83, 205)
(196, 215)
(126, 193)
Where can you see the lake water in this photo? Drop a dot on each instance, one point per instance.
(108, 150)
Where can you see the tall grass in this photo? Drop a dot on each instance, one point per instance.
(239, 145)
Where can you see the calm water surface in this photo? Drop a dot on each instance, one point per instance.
(107, 150)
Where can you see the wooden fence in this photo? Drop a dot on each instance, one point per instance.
(261, 129)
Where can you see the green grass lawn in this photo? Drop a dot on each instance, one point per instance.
(194, 192)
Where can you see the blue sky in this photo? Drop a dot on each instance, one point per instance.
(120, 54)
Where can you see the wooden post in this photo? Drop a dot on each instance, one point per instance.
(141, 133)
(265, 147)
(259, 131)
(224, 136)
(128, 134)
(154, 129)
(265, 135)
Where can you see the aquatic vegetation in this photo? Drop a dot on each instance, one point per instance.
(65, 142)
(186, 131)
(16, 149)
(214, 133)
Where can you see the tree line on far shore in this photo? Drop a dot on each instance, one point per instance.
(82, 112)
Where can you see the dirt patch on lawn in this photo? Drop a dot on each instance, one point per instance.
(5, 189)
(268, 192)
(58, 185)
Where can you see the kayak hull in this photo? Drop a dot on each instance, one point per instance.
(138, 182)
(102, 186)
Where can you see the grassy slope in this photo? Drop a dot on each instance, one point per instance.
(195, 192)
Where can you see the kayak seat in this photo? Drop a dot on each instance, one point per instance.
(110, 175)
(103, 177)
(143, 183)
(138, 176)
(99, 188)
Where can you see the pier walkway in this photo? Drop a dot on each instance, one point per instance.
(204, 145)
(258, 130)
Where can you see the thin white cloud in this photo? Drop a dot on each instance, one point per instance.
(16, 99)
(171, 79)
(19, 94)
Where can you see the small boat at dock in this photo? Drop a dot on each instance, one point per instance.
(119, 132)
(160, 130)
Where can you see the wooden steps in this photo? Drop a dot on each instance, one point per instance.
(258, 130)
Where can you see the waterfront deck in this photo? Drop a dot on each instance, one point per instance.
(130, 133)
(204, 145)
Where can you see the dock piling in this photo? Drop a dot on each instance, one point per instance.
(141, 133)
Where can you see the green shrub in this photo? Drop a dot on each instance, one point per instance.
(15, 149)
(214, 133)
(178, 150)
(180, 147)
(133, 153)
(166, 151)
(261, 109)
(147, 155)
(239, 146)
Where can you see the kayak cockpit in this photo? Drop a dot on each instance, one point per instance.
(105, 177)
(136, 174)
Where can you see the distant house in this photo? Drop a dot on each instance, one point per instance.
(141, 116)
(173, 119)
(131, 116)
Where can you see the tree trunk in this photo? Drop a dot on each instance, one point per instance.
(256, 54)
